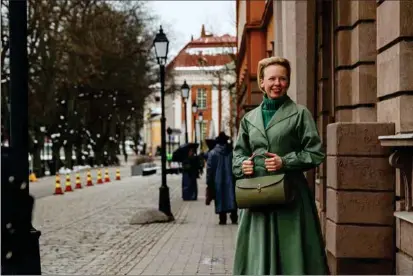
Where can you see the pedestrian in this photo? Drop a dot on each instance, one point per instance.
(282, 239)
(219, 180)
(190, 173)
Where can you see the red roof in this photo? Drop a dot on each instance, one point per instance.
(224, 39)
(206, 51)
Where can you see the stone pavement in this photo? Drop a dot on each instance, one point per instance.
(195, 244)
(88, 232)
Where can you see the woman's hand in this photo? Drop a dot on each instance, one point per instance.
(248, 167)
(273, 163)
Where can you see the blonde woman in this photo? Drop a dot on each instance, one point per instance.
(285, 239)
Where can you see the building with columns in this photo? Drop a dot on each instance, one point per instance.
(207, 64)
(352, 66)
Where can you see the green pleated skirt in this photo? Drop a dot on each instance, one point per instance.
(282, 241)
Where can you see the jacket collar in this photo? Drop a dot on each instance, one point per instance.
(286, 110)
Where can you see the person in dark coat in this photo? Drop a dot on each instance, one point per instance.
(190, 172)
(220, 179)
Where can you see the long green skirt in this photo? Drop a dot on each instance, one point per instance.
(283, 241)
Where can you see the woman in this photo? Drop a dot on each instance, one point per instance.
(286, 239)
(190, 171)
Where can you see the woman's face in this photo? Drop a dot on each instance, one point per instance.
(275, 81)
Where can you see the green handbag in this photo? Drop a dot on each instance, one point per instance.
(253, 192)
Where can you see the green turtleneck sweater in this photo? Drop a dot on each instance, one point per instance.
(270, 106)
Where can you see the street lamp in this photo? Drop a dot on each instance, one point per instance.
(194, 110)
(161, 45)
(201, 119)
(185, 95)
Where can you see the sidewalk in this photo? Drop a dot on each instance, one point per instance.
(195, 244)
(88, 232)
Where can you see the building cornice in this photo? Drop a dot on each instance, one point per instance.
(255, 26)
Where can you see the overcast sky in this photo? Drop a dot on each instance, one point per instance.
(185, 18)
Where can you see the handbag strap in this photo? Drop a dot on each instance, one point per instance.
(252, 157)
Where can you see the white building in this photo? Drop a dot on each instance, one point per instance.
(207, 64)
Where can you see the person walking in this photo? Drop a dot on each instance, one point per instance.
(190, 173)
(220, 181)
(283, 239)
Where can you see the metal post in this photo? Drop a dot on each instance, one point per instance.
(20, 254)
(164, 201)
(19, 86)
(186, 122)
(200, 135)
(195, 128)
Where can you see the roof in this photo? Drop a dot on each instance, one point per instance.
(209, 39)
(206, 51)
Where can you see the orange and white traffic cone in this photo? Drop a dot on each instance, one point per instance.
(107, 178)
(89, 179)
(68, 187)
(78, 183)
(58, 188)
(117, 174)
(100, 181)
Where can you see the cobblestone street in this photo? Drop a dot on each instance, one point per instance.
(88, 232)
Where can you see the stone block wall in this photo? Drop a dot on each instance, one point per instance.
(395, 102)
(355, 61)
(395, 63)
(359, 229)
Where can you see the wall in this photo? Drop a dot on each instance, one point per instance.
(395, 104)
(359, 87)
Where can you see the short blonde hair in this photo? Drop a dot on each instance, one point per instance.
(264, 63)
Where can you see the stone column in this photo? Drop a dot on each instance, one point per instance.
(355, 67)
(298, 19)
(278, 28)
(298, 42)
(360, 196)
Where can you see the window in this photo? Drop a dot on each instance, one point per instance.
(201, 98)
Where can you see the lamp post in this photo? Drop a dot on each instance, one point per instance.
(161, 44)
(194, 110)
(185, 95)
(201, 119)
(169, 131)
(20, 240)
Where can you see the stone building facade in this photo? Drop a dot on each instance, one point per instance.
(207, 65)
(352, 66)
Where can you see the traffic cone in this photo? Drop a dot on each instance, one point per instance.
(107, 179)
(68, 187)
(58, 189)
(89, 179)
(78, 183)
(100, 181)
(32, 177)
(117, 174)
